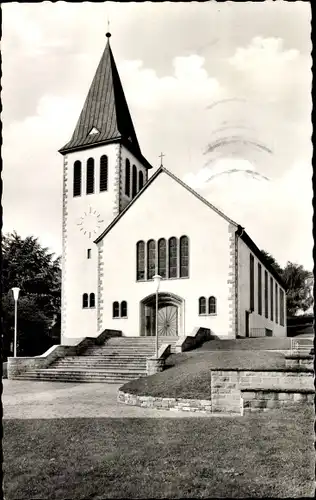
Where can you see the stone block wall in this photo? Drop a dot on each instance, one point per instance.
(225, 392)
(264, 400)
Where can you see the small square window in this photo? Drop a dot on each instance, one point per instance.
(89, 253)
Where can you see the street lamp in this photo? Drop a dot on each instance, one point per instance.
(16, 292)
(157, 280)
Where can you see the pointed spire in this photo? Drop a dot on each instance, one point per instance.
(105, 111)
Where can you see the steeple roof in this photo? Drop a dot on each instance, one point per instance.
(105, 116)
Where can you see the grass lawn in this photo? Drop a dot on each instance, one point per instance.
(262, 455)
(188, 374)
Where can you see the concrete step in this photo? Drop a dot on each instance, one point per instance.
(105, 367)
(97, 360)
(50, 378)
(99, 363)
(112, 370)
(118, 352)
(109, 357)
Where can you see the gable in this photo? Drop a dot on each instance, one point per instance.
(165, 197)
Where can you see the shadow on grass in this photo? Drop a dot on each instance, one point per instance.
(254, 456)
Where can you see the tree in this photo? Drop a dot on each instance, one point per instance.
(271, 260)
(26, 264)
(298, 282)
(298, 297)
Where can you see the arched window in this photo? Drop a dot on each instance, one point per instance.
(134, 182)
(202, 305)
(212, 305)
(123, 309)
(173, 258)
(92, 300)
(162, 258)
(104, 173)
(77, 178)
(140, 250)
(140, 180)
(127, 177)
(151, 259)
(116, 310)
(90, 176)
(85, 300)
(184, 257)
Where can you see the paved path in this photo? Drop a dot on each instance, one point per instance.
(24, 399)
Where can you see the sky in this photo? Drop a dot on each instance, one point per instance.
(222, 89)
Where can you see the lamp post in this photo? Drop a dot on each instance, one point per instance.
(16, 292)
(157, 280)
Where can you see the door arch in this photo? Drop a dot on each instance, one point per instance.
(170, 315)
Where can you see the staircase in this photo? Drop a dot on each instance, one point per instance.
(118, 361)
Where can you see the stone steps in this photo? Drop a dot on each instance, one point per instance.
(119, 360)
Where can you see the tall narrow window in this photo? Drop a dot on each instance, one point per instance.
(271, 299)
(281, 307)
(85, 300)
(77, 178)
(252, 284)
(162, 258)
(212, 305)
(123, 309)
(276, 303)
(266, 296)
(202, 305)
(140, 250)
(173, 260)
(151, 259)
(90, 176)
(92, 300)
(259, 289)
(134, 182)
(140, 180)
(127, 177)
(116, 310)
(184, 257)
(104, 173)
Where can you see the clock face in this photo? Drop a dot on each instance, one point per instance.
(90, 222)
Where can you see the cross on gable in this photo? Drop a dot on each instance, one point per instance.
(161, 157)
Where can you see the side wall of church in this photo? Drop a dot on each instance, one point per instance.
(79, 273)
(256, 320)
(166, 209)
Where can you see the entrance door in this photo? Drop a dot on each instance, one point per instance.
(170, 315)
(168, 321)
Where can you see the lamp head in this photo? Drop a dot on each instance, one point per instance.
(16, 292)
(157, 280)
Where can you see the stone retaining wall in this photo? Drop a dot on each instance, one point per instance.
(176, 404)
(263, 400)
(226, 388)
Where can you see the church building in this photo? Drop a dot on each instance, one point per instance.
(122, 226)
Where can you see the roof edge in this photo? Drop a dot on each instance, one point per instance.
(63, 151)
(253, 247)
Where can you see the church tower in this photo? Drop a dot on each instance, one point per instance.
(103, 171)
